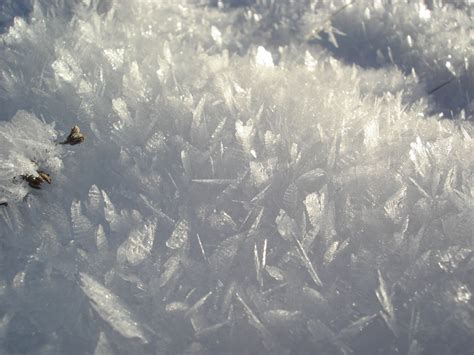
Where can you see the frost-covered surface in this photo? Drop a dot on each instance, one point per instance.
(243, 188)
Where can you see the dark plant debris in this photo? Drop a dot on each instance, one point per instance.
(74, 137)
(36, 181)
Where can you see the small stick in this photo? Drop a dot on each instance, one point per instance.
(432, 91)
(342, 8)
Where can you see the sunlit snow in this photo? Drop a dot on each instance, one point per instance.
(236, 177)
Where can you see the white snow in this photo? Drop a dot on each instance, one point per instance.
(281, 177)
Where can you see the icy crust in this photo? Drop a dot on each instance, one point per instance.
(277, 201)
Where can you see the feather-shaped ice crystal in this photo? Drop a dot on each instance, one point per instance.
(111, 309)
(137, 247)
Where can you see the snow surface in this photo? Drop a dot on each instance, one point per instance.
(271, 177)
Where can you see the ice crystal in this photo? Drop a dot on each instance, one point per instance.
(249, 176)
(111, 309)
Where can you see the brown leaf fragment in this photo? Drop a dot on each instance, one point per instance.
(74, 137)
(33, 181)
(45, 176)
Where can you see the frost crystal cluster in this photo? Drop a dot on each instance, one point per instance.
(258, 177)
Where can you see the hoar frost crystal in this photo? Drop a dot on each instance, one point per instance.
(272, 177)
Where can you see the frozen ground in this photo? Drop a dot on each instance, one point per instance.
(271, 177)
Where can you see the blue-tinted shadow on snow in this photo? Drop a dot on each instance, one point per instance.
(451, 94)
(10, 9)
(452, 90)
